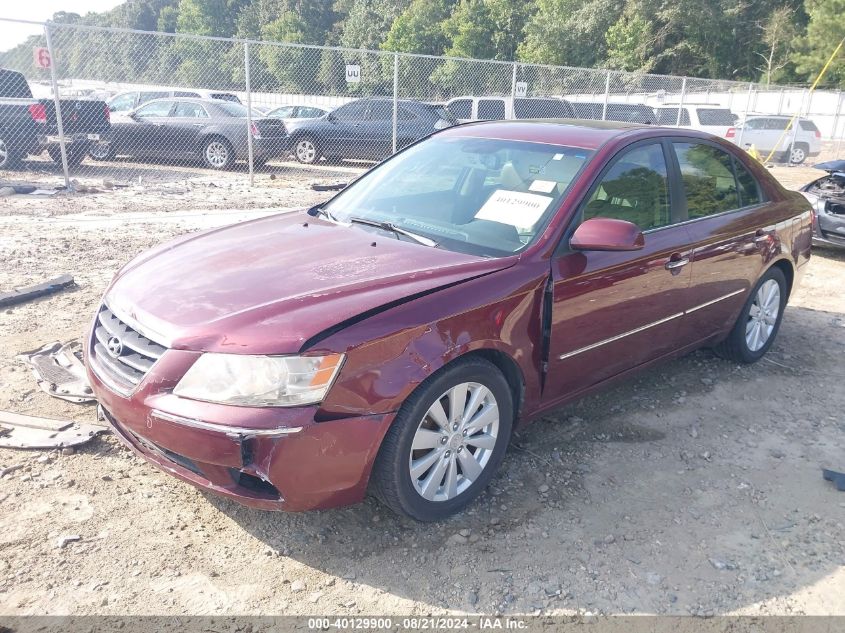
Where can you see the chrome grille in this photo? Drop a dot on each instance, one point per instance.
(122, 353)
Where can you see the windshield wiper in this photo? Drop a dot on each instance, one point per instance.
(321, 211)
(398, 230)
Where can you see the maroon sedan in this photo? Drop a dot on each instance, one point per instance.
(391, 339)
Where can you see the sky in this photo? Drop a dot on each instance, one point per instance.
(12, 34)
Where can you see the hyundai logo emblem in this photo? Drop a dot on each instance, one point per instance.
(114, 347)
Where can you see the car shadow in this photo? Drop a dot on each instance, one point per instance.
(691, 488)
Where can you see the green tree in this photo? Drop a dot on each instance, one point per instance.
(569, 32)
(825, 29)
(470, 30)
(419, 28)
(778, 33)
(627, 42)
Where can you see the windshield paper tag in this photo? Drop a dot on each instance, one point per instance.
(543, 186)
(513, 207)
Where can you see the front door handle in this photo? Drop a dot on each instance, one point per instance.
(761, 236)
(675, 265)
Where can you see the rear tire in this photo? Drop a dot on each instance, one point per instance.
(218, 153)
(74, 155)
(798, 153)
(435, 459)
(759, 321)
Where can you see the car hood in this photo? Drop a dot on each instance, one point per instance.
(267, 286)
(831, 166)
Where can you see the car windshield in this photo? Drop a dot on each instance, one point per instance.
(485, 197)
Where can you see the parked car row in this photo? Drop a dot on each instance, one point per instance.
(212, 125)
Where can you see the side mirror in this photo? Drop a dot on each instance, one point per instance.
(331, 117)
(607, 234)
(133, 115)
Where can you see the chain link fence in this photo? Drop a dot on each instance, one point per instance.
(127, 105)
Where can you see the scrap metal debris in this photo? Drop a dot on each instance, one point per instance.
(316, 186)
(59, 371)
(29, 431)
(837, 478)
(20, 295)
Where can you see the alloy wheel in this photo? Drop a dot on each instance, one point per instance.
(100, 151)
(797, 155)
(217, 154)
(763, 315)
(454, 442)
(306, 151)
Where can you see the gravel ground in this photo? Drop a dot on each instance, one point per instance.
(692, 489)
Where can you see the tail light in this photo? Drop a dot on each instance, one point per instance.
(38, 113)
(818, 134)
(253, 129)
(731, 133)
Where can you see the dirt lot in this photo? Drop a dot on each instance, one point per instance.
(695, 488)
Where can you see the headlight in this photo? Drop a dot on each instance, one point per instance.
(280, 381)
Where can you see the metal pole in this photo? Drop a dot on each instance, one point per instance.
(606, 94)
(681, 102)
(395, 99)
(250, 149)
(839, 142)
(513, 93)
(745, 117)
(57, 104)
(780, 101)
(795, 124)
(836, 114)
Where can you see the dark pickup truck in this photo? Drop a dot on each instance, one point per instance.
(28, 125)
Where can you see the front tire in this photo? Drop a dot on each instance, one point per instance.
(757, 325)
(306, 150)
(446, 443)
(9, 158)
(102, 151)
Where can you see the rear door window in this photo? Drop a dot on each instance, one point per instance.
(635, 188)
(708, 179)
(491, 109)
(190, 110)
(749, 188)
(156, 109)
(808, 126)
(123, 103)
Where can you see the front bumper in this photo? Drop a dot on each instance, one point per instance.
(267, 458)
(828, 229)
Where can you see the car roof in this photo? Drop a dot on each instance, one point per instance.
(565, 132)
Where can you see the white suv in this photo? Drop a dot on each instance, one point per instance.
(766, 133)
(497, 108)
(707, 118)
